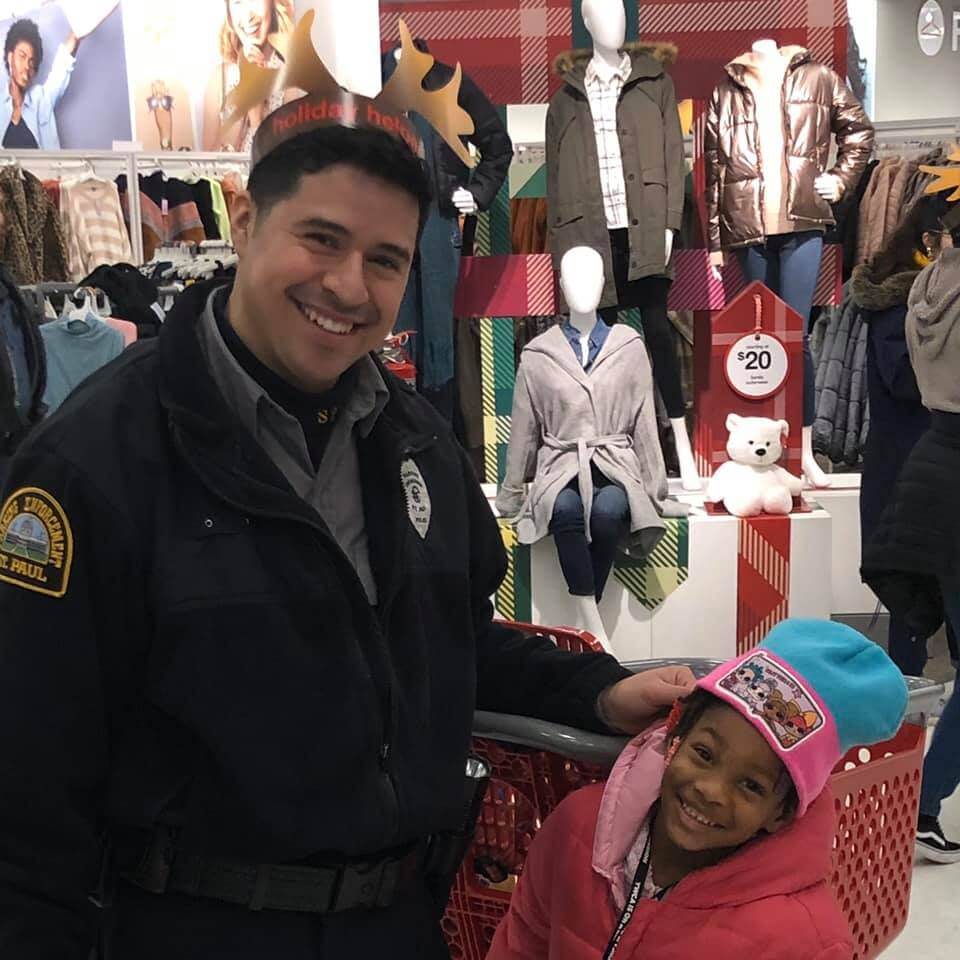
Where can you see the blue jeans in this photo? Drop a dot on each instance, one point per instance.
(941, 768)
(586, 566)
(789, 265)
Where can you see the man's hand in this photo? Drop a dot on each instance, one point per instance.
(630, 705)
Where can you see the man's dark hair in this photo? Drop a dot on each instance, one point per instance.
(694, 707)
(375, 152)
(23, 31)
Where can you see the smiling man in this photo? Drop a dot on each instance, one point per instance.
(244, 610)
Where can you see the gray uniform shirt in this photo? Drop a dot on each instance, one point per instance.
(334, 490)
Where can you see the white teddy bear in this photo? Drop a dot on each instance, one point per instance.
(752, 481)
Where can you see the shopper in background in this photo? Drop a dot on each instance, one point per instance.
(898, 417)
(714, 835)
(245, 581)
(912, 561)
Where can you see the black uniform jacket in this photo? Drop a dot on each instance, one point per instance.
(183, 642)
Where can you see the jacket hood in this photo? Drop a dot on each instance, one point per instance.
(555, 345)
(752, 61)
(933, 332)
(649, 60)
(756, 872)
(872, 294)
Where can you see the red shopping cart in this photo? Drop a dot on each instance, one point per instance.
(534, 765)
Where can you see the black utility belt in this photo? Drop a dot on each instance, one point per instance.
(372, 883)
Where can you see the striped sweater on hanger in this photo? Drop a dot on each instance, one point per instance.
(93, 224)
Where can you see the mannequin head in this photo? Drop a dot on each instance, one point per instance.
(581, 280)
(766, 48)
(606, 22)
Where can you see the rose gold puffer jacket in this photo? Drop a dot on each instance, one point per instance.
(816, 104)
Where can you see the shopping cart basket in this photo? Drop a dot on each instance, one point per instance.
(536, 764)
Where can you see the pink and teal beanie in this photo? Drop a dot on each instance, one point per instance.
(814, 689)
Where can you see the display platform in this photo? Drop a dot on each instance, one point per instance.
(713, 588)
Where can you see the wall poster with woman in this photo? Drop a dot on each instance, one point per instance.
(65, 82)
(185, 60)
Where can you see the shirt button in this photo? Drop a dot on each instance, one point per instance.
(208, 523)
(635, 222)
(631, 176)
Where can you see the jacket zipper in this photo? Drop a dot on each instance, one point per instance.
(385, 752)
(385, 691)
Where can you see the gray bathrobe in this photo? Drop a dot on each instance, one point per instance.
(564, 419)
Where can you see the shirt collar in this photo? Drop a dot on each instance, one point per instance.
(596, 334)
(621, 72)
(246, 396)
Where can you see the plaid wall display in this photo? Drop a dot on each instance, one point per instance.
(763, 578)
(506, 286)
(513, 598)
(508, 46)
(653, 579)
(497, 377)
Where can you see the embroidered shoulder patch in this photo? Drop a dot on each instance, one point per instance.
(36, 543)
(419, 508)
(771, 692)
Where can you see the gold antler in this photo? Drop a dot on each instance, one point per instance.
(948, 178)
(404, 92)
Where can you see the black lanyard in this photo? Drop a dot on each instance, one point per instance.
(636, 892)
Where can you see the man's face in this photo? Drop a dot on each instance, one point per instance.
(22, 62)
(251, 20)
(322, 273)
(724, 786)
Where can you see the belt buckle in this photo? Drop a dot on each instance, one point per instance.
(366, 885)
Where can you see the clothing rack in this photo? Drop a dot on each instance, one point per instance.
(901, 136)
(128, 162)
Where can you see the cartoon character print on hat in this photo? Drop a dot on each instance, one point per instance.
(770, 692)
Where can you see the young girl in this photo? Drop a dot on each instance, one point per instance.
(713, 836)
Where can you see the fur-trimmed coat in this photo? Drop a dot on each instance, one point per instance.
(897, 416)
(31, 238)
(651, 147)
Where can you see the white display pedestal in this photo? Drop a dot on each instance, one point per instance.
(704, 616)
(842, 502)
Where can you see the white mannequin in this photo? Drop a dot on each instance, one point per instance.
(830, 188)
(606, 22)
(461, 198)
(581, 280)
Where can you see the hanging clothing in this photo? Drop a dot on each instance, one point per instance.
(132, 296)
(898, 417)
(565, 420)
(93, 223)
(220, 212)
(203, 198)
(22, 366)
(31, 243)
(126, 329)
(75, 349)
(771, 898)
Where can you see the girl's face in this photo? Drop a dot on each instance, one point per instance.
(251, 19)
(724, 786)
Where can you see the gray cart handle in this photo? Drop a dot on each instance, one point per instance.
(587, 747)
